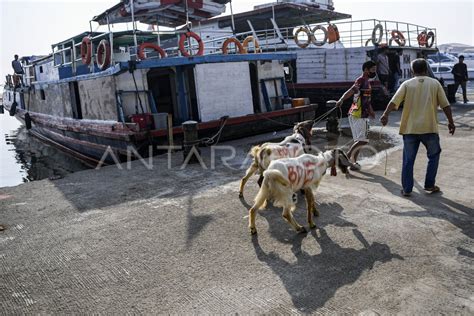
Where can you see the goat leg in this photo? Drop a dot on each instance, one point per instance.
(250, 171)
(310, 206)
(288, 216)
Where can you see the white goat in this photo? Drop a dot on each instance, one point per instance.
(286, 176)
(292, 146)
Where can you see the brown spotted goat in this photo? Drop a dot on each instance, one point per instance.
(286, 176)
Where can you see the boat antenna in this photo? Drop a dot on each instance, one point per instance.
(232, 17)
(158, 30)
(134, 27)
(187, 14)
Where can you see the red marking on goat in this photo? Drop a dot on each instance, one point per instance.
(283, 152)
(292, 175)
(295, 174)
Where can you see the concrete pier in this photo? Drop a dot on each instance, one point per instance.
(148, 239)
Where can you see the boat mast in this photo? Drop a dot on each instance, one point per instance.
(232, 17)
(134, 28)
(158, 30)
(111, 39)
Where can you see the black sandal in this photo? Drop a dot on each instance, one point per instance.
(355, 167)
(405, 193)
(433, 189)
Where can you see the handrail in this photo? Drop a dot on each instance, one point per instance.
(353, 33)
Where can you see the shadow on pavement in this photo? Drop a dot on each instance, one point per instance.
(314, 279)
(434, 205)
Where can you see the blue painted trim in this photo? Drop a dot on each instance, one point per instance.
(168, 62)
(266, 99)
(108, 72)
(182, 61)
(151, 100)
(284, 89)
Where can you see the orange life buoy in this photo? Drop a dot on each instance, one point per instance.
(86, 50)
(297, 41)
(422, 38)
(313, 35)
(239, 46)
(156, 48)
(333, 33)
(188, 35)
(398, 37)
(430, 37)
(246, 42)
(103, 54)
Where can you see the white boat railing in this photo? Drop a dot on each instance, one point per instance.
(361, 33)
(352, 34)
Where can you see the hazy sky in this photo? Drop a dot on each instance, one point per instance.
(30, 27)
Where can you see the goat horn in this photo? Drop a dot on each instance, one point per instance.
(344, 159)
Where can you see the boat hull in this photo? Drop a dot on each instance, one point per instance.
(109, 144)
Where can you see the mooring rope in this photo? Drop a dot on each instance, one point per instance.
(209, 141)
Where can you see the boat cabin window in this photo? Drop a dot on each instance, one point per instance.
(43, 96)
(444, 69)
(41, 69)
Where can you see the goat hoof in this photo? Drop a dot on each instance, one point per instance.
(312, 225)
(302, 230)
(241, 194)
(253, 231)
(315, 212)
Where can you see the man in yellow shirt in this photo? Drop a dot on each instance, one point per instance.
(421, 96)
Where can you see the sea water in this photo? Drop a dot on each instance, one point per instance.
(24, 158)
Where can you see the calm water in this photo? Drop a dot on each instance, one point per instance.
(24, 158)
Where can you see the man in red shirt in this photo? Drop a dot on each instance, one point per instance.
(360, 110)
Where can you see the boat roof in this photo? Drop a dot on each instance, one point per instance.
(286, 15)
(77, 39)
(120, 38)
(170, 13)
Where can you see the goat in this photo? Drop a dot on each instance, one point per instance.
(292, 146)
(286, 176)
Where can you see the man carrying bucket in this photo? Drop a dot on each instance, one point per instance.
(360, 110)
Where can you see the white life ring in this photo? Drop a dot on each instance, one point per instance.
(308, 33)
(313, 35)
(103, 54)
(376, 41)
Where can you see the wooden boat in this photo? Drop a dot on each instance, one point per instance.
(126, 91)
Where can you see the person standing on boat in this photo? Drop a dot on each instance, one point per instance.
(460, 76)
(361, 110)
(395, 70)
(16, 65)
(419, 123)
(17, 68)
(383, 67)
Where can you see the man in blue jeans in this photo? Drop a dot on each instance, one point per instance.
(419, 124)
